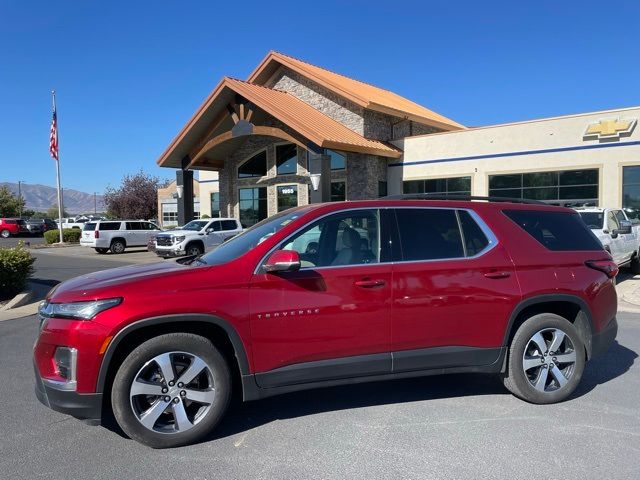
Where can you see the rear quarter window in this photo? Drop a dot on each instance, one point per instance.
(89, 227)
(557, 231)
(109, 226)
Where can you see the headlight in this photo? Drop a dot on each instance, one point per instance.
(77, 310)
(179, 239)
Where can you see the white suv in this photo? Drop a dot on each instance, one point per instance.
(116, 235)
(196, 237)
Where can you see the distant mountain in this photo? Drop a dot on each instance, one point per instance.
(41, 197)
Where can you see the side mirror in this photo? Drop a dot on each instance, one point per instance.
(209, 230)
(625, 227)
(282, 261)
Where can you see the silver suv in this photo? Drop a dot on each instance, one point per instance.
(116, 235)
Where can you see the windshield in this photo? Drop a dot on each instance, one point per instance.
(593, 220)
(241, 244)
(195, 225)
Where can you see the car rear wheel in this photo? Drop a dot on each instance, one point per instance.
(5, 233)
(102, 250)
(546, 360)
(194, 249)
(171, 390)
(117, 246)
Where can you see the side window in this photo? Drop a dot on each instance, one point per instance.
(619, 216)
(429, 234)
(134, 226)
(474, 238)
(215, 226)
(349, 238)
(229, 225)
(612, 221)
(109, 226)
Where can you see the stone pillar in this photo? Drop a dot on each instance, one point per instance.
(320, 164)
(184, 178)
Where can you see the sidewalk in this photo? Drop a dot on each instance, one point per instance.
(628, 289)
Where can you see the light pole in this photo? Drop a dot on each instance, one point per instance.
(20, 197)
(95, 204)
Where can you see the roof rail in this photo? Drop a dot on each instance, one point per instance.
(440, 196)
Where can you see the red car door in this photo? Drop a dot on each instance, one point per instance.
(331, 319)
(453, 290)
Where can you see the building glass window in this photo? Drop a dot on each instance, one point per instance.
(453, 185)
(631, 191)
(253, 205)
(256, 166)
(338, 191)
(287, 197)
(382, 189)
(286, 159)
(215, 204)
(338, 160)
(566, 187)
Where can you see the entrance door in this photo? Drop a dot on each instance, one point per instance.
(330, 319)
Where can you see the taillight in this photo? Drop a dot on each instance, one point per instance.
(608, 267)
(96, 234)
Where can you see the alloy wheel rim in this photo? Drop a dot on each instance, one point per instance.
(118, 247)
(172, 392)
(549, 360)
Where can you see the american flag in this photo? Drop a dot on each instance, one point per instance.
(53, 136)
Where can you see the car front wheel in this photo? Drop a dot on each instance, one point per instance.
(546, 360)
(171, 390)
(102, 250)
(5, 233)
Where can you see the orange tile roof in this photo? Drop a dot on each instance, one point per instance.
(363, 94)
(301, 117)
(308, 121)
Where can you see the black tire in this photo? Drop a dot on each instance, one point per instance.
(517, 381)
(126, 374)
(117, 246)
(194, 249)
(5, 233)
(102, 250)
(634, 266)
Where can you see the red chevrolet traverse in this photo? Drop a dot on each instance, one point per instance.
(326, 295)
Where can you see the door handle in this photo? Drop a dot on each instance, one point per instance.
(369, 283)
(497, 275)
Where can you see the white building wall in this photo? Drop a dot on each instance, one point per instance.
(208, 183)
(438, 155)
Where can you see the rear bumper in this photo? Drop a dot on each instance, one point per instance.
(600, 342)
(85, 406)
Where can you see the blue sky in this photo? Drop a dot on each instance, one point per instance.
(128, 75)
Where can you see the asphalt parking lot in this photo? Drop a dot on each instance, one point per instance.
(462, 426)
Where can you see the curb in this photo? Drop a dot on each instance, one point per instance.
(19, 300)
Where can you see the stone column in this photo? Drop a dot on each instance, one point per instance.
(320, 164)
(184, 178)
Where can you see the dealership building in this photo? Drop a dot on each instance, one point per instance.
(294, 133)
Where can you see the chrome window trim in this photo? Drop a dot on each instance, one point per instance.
(491, 238)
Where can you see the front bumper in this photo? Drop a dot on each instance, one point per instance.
(600, 342)
(169, 253)
(85, 406)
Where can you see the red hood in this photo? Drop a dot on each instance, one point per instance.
(115, 281)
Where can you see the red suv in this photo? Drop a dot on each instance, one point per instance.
(12, 226)
(331, 294)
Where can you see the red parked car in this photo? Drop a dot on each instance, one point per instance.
(331, 294)
(12, 226)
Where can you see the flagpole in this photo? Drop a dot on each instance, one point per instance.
(53, 93)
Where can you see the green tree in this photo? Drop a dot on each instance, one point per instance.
(53, 212)
(10, 205)
(137, 197)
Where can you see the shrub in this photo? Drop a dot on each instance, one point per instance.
(15, 267)
(70, 235)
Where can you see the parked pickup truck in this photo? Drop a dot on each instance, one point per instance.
(196, 237)
(618, 235)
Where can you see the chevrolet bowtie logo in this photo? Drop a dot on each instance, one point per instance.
(610, 129)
